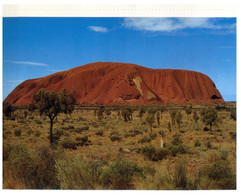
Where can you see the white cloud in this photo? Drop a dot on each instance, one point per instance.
(26, 63)
(172, 24)
(98, 29)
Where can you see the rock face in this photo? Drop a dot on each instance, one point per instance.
(110, 83)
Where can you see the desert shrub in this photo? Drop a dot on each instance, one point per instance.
(162, 153)
(120, 175)
(148, 170)
(8, 110)
(81, 129)
(208, 144)
(197, 143)
(108, 112)
(78, 173)
(82, 119)
(31, 117)
(68, 143)
(233, 135)
(149, 152)
(17, 132)
(99, 133)
(29, 131)
(115, 138)
(233, 114)
(206, 129)
(83, 139)
(174, 150)
(37, 133)
(153, 136)
(145, 139)
(38, 121)
(6, 150)
(21, 121)
(223, 153)
(137, 132)
(180, 174)
(176, 140)
(130, 134)
(34, 168)
(59, 132)
(71, 127)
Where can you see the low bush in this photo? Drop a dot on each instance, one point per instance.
(121, 174)
(180, 174)
(99, 133)
(145, 139)
(83, 139)
(68, 143)
(197, 143)
(206, 129)
(162, 153)
(176, 140)
(115, 138)
(81, 129)
(149, 152)
(37, 133)
(17, 132)
(38, 121)
(174, 150)
(153, 136)
(208, 144)
(78, 173)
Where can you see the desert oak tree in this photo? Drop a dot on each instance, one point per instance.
(52, 103)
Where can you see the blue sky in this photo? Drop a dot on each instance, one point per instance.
(36, 47)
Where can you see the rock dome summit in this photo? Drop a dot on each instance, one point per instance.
(109, 83)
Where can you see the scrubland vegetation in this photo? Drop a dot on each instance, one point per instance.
(135, 147)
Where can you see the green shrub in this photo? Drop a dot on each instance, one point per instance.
(145, 139)
(38, 121)
(17, 132)
(115, 138)
(71, 127)
(180, 174)
(153, 136)
(77, 173)
(223, 153)
(149, 152)
(174, 150)
(99, 133)
(37, 133)
(197, 143)
(35, 169)
(68, 143)
(30, 131)
(120, 175)
(176, 140)
(83, 139)
(162, 153)
(208, 144)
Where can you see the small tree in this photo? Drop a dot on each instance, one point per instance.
(162, 109)
(233, 114)
(179, 119)
(142, 112)
(188, 110)
(127, 114)
(150, 119)
(8, 110)
(209, 116)
(195, 117)
(158, 117)
(51, 104)
(173, 116)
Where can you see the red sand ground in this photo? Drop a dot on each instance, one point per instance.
(110, 83)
